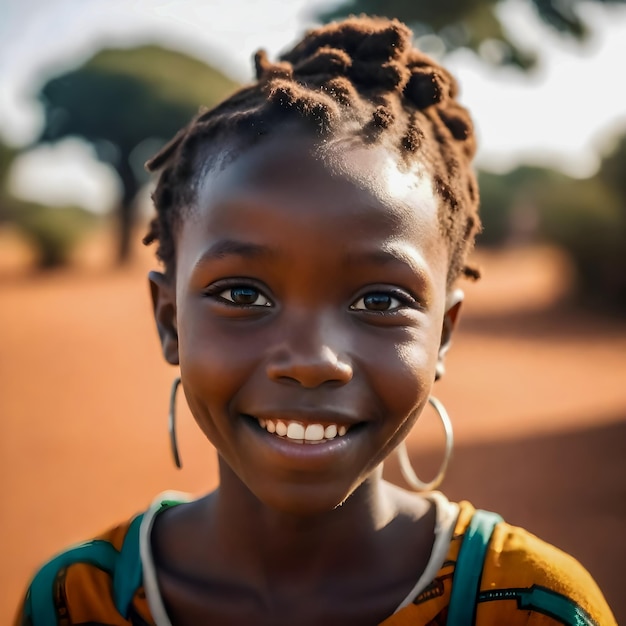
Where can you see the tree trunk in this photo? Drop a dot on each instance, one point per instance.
(127, 211)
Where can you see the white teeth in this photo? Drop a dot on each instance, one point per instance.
(330, 432)
(298, 432)
(314, 432)
(295, 431)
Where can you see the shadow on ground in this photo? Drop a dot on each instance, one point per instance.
(557, 323)
(570, 489)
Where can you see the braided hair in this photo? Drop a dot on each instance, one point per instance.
(363, 77)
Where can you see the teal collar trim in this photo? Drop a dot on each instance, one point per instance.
(124, 567)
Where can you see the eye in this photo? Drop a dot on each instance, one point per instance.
(244, 296)
(379, 301)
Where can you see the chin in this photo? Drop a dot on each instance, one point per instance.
(304, 500)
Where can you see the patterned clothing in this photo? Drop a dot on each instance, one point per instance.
(524, 582)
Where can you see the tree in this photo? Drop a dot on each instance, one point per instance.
(613, 167)
(53, 232)
(584, 217)
(7, 154)
(611, 174)
(473, 24)
(128, 102)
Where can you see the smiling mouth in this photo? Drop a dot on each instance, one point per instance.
(297, 432)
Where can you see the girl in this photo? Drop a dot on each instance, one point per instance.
(312, 228)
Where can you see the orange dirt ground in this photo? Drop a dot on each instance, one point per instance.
(537, 395)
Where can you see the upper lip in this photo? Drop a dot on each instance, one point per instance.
(308, 416)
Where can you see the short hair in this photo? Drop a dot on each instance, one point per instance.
(363, 76)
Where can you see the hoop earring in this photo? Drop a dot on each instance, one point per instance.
(407, 470)
(172, 423)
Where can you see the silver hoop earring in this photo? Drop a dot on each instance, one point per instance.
(172, 423)
(407, 470)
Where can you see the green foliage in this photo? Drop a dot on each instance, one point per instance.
(587, 218)
(473, 24)
(613, 169)
(127, 103)
(170, 76)
(54, 232)
(495, 209)
(121, 98)
(505, 197)
(7, 154)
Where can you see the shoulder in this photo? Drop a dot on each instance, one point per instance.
(525, 576)
(97, 581)
(91, 582)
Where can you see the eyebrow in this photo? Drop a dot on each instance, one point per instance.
(231, 247)
(391, 255)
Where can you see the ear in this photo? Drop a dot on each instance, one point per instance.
(454, 300)
(163, 293)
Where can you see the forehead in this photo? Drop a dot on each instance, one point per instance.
(340, 196)
(316, 208)
(301, 167)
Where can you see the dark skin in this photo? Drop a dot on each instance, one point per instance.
(310, 287)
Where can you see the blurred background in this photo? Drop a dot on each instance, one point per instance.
(536, 382)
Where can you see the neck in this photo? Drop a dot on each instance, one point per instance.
(272, 545)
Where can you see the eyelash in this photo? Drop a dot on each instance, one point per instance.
(217, 289)
(403, 299)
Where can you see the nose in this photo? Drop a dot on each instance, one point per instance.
(311, 355)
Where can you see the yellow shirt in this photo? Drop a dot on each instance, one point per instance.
(524, 582)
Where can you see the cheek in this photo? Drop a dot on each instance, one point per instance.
(407, 372)
(213, 365)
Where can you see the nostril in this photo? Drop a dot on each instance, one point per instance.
(311, 372)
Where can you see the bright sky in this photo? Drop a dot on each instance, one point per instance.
(561, 114)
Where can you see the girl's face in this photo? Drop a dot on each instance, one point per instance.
(309, 298)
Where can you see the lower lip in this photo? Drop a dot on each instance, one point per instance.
(322, 451)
